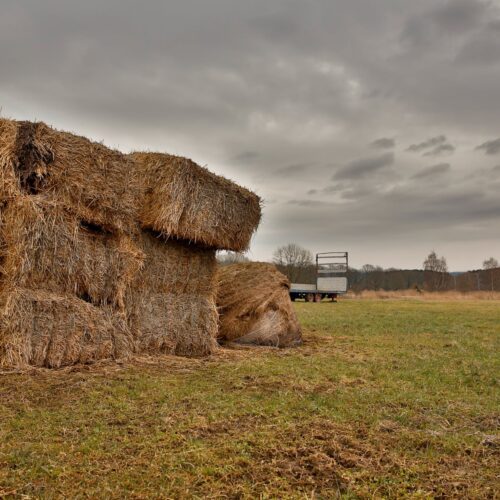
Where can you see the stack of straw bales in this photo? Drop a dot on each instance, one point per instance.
(103, 255)
(186, 214)
(255, 307)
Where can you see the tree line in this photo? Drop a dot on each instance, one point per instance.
(298, 265)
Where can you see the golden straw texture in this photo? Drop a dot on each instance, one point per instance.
(186, 201)
(255, 307)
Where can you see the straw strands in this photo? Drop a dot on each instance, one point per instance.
(254, 306)
(184, 200)
(171, 303)
(104, 256)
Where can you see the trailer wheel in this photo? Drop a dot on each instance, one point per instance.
(317, 297)
(309, 297)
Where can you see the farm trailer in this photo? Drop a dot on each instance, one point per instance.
(331, 278)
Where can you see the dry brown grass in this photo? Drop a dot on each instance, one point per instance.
(422, 295)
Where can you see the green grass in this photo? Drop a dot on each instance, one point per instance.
(384, 399)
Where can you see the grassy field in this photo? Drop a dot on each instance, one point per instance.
(384, 399)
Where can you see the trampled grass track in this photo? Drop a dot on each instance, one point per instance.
(385, 399)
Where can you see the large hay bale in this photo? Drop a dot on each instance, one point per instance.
(45, 246)
(255, 307)
(186, 201)
(171, 302)
(98, 184)
(39, 328)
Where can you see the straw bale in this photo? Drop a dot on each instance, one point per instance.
(40, 328)
(182, 324)
(172, 266)
(98, 184)
(255, 307)
(171, 302)
(186, 201)
(8, 182)
(49, 247)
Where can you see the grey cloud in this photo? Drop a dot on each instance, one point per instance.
(309, 203)
(334, 188)
(250, 88)
(483, 47)
(429, 143)
(356, 193)
(246, 157)
(450, 18)
(364, 166)
(418, 215)
(384, 143)
(457, 16)
(441, 149)
(433, 171)
(293, 169)
(490, 147)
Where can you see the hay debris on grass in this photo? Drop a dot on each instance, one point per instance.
(255, 306)
(185, 201)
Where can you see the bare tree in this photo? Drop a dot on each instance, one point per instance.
(226, 258)
(292, 260)
(489, 265)
(436, 271)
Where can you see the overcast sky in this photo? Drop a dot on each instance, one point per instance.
(371, 126)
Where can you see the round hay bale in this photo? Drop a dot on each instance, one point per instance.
(255, 307)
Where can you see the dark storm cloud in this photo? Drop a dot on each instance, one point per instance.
(361, 167)
(383, 143)
(490, 147)
(433, 142)
(258, 89)
(431, 172)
